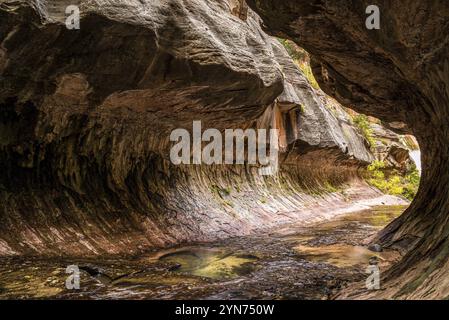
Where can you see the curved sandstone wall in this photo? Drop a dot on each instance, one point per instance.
(86, 117)
(400, 75)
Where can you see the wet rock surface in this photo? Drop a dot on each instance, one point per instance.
(292, 262)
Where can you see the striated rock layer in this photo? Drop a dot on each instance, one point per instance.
(86, 115)
(399, 74)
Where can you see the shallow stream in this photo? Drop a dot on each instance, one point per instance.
(290, 262)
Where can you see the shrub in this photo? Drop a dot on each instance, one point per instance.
(362, 122)
(394, 184)
(307, 71)
(296, 52)
(301, 59)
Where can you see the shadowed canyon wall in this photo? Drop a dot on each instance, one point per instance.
(86, 117)
(399, 74)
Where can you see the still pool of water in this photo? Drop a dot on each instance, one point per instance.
(210, 263)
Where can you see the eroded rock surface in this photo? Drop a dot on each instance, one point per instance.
(391, 148)
(86, 116)
(400, 75)
(313, 124)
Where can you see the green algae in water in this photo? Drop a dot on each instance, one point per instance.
(210, 263)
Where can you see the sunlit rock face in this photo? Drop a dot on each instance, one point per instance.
(391, 148)
(86, 115)
(314, 124)
(400, 75)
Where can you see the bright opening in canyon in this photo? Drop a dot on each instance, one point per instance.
(223, 149)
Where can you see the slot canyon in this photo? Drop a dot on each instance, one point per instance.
(85, 121)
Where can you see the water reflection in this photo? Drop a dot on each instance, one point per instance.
(210, 263)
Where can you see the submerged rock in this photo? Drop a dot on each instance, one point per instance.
(375, 247)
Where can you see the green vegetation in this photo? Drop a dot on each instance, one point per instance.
(221, 192)
(392, 182)
(297, 53)
(363, 123)
(301, 59)
(307, 71)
